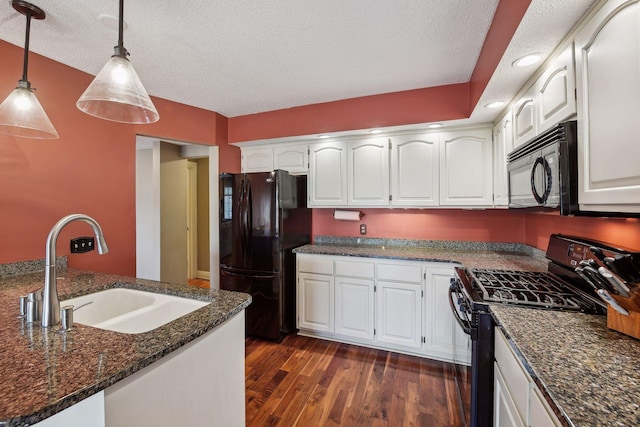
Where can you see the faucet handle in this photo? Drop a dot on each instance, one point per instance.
(66, 317)
(23, 305)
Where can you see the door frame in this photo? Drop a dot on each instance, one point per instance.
(147, 201)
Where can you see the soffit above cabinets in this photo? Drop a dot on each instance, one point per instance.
(247, 56)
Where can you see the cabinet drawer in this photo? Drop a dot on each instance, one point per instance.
(400, 273)
(355, 269)
(315, 264)
(516, 379)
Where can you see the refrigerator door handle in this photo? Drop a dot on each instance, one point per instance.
(242, 207)
(236, 273)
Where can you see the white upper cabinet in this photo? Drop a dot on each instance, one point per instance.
(415, 170)
(555, 90)
(548, 101)
(257, 159)
(608, 81)
(264, 158)
(368, 172)
(327, 181)
(502, 146)
(466, 168)
(292, 158)
(524, 118)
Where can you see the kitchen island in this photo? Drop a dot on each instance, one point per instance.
(45, 371)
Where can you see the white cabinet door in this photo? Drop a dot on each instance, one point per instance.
(443, 336)
(555, 90)
(540, 415)
(608, 81)
(327, 181)
(256, 159)
(292, 158)
(315, 302)
(415, 170)
(466, 168)
(524, 118)
(368, 171)
(399, 315)
(354, 311)
(502, 146)
(505, 413)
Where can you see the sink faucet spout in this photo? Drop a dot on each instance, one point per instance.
(50, 300)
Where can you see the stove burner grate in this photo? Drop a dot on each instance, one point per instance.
(539, 289)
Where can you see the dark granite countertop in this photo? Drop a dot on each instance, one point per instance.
(589, 372)
(46, 371)
(481, 255)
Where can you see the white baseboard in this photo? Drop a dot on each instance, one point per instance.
(203, 275)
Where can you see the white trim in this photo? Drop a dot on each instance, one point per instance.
(204, 275)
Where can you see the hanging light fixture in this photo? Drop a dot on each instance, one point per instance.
(21, 113)
(117, 93)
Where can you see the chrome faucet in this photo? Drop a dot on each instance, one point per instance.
(50, 300)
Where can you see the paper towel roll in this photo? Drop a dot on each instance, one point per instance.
(347, 215)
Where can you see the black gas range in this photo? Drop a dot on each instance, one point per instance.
(582, 276)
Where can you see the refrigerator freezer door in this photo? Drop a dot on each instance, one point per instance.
(264, 317)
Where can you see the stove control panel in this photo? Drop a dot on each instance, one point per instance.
(567, 252)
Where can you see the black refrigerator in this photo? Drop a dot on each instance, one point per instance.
(263, 217)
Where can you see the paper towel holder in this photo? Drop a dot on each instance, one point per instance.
(347, 215)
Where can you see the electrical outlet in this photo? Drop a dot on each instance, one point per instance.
(83, 244)
(363, 229)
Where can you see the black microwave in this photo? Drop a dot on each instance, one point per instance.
(544, 171)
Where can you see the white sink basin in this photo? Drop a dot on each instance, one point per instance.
(129, 310)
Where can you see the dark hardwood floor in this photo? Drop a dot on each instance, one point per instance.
(310, 382)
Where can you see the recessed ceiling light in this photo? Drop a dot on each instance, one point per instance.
(323, 136)
(375, 131)
(435, 125)
(527, 60)
(495, 104)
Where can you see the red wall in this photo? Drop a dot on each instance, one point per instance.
(390, 109)
(430, 224)
(493, 225)
(90, 169)
(619, 231)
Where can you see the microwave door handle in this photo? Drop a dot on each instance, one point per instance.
(546, 170)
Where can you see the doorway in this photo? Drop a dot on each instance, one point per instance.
(176, 211)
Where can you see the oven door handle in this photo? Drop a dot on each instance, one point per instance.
(464, 324)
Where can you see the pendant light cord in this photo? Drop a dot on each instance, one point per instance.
(120, 49)
(26, 50)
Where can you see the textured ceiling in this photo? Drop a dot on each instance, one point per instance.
(239, 57)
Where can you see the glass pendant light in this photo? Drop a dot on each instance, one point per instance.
(21, 113)
(117, 93)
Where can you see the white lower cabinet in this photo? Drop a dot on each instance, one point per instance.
(517, 399)
(505, 413)
(443, 335)
(394, 305)
(399, 314)
(354, 311)
(315, 302)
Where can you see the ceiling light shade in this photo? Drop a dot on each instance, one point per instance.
(117, 93)
(21, 114)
